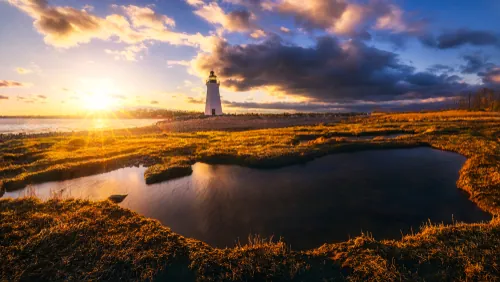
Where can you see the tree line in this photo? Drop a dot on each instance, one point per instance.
(485, 99)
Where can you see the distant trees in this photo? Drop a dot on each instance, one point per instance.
(156, 113)
(485, 99)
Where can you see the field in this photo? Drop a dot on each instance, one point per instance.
(78, 240)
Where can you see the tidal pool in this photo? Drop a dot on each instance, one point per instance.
(330, 199)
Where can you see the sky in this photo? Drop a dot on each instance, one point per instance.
(70, 57)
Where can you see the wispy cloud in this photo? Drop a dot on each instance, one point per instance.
(179, 63)
(192, 100)
(130, 53)
(11, 83)
(459, 37)
(23, 70)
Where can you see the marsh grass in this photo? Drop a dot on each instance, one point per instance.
(63, 239)
(59, 240)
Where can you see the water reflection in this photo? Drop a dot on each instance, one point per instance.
(326, 200)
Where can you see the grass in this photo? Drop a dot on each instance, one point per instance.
(80, 240)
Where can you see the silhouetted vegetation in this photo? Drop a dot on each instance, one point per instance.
(483, 100)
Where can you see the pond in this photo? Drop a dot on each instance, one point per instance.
(330, 199)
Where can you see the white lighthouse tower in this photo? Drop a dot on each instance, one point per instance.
(213, 105)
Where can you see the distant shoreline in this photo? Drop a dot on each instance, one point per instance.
(71, 117)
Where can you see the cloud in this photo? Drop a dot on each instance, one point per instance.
(259, 33)
(23, 70)
(10, 84)
(353, 19)
(358, 106)
(197, 101)
(3, 97)
(195, 3)
(117, 96)
(88, 8)
(178, 63)
(129, 53)
(475, 62)
(309, 107)
(146, 17)
(32, 99)
(440, 68)
(284, 29)
(154, 102)
(65, 27)
(460, 37)
(330, 71)
(234, 21)
(491, 77)
(322, 14)
(391, 17)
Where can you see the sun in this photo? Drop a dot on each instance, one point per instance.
(95, 102)
(99, 95)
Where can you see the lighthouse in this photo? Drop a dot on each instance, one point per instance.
(213, 105)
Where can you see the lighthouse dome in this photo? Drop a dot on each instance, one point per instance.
(212, 78)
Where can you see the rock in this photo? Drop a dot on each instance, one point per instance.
(117, 198)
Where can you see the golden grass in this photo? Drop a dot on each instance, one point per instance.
(97, 241)
(78, 240)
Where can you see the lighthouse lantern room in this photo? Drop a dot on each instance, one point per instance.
(213, 104)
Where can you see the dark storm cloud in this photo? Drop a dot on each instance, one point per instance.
(328, 71)
(358, 106)
(437, 68)
(306, 107)
(491, 77)
(460, 37)
(475, 62)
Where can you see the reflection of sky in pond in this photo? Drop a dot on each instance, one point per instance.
(326, 200)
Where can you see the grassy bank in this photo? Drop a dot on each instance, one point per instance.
(77, 240)
(80, 240)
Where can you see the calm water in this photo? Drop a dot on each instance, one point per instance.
(326, 200)
(27, 125)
